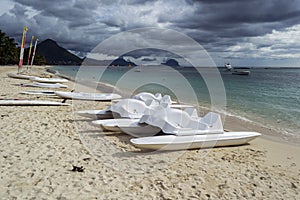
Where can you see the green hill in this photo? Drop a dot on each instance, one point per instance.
(56, 55)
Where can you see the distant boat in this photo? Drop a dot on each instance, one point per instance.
(228, 66)
(236, 72)
(244, 72)
(138, 69)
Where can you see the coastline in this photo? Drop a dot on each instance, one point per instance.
(40, 144)
(231, 122)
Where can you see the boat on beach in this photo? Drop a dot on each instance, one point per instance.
(181, 129)
(39, 92)
(48, 80)
(20, 76)
(174, 142)
(45, 85)
(27, 102)
(88, 96)
(96, 114)
(129, 126)
(142, 127)
(133, 108)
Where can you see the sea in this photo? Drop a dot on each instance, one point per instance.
(268, 96)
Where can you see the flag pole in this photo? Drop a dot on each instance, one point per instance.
(33, 55)
(29, 54)
(25, 29)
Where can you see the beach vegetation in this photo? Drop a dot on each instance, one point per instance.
(8, 50)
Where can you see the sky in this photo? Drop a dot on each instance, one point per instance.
(242, 32)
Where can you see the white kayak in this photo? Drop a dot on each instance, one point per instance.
(129, 126)
(39, 92)
(96, 114)
(21, 102)
(174, 142)
(46, 85)
(48, 80)
(88, 96)
(112, 124)
(20, 76)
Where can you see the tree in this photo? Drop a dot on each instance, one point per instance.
(8, 50)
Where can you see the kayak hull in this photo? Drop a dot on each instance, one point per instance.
(87, 96)
(173, 142)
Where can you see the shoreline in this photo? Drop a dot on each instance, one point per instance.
(40, 144)
(271, 133)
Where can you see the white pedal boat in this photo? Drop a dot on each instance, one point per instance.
(88, 96)
(45, 85)
(48, 80)
(125, 108)
(174, 121)
(142, 127)
(174, 142)
(131, 108)
(145, 96)
(129, 126)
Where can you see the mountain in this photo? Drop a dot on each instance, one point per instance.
(121, 62)
(56, 55)
(171, 63)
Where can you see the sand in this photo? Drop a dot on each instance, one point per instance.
(40, 145)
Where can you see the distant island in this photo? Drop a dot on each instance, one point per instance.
(122, 62)
(171, 63)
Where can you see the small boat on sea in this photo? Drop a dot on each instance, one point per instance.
(228, 66)
(236, 72)
(243, 73)
(138, 69)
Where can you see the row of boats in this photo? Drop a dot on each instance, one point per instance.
(158, 123)
(154, 121)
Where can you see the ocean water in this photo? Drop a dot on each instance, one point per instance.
(270, 97)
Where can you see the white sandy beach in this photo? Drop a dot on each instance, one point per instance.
(39, 146)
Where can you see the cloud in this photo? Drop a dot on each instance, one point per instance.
(226, 28)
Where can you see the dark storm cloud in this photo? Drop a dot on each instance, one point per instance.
(80, 12)
(80, 25)
(149, 59)
(151, 53)
(63, 21)
(219, 16)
